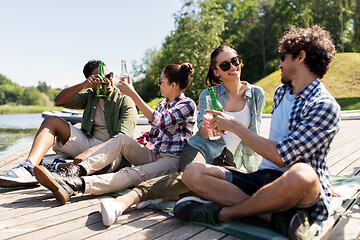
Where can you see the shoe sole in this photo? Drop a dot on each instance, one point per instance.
(192, 198)
(9, 182)
(45, 178)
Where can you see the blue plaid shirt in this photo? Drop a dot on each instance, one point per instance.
(173, 125)
(314, 121)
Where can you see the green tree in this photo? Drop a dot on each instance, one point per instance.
(10, 93)
(43, 87)
(32, 96)
(199, 26)
(4, 80)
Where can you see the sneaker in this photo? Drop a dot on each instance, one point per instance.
(110, 210)
(53, 166)
(198, 210)
(19, 176)
(146, 203)
(293, 223)
(62, 187)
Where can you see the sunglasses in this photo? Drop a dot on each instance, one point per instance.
(225, 65)
(160, 81)
(110, 76)
(282, 56)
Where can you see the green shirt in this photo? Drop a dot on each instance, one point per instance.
(119, 110)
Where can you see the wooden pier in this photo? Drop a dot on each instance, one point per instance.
(33, 213)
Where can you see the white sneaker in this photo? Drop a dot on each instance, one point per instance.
(19, 176)
(109, 210)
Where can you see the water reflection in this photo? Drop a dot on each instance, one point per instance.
(17, 131)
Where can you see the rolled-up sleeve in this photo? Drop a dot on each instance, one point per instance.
(170, 117)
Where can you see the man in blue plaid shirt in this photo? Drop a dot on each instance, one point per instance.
(292, 188)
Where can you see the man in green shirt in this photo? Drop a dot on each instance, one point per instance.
(103, 118)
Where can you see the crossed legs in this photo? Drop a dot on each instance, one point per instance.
(299, 186)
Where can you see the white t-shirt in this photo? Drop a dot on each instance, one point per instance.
(99, 129)
(231, 139)
(279, 127)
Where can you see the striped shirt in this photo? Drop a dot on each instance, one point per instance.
(314, 121)
(172, 125)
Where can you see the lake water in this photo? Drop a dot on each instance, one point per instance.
(17, 131)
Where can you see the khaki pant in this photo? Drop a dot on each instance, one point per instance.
(171, 184)
(147, 165)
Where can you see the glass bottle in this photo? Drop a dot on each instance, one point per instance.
(124, 75)
(215, 104)
(101, 92)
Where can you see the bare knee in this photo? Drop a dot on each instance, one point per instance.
(302, 176)
(55, 126)
(53, 122)
(192, 175)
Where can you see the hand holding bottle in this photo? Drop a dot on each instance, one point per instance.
(126, 87)
(92, 81)
(213, 133)
(222, 121)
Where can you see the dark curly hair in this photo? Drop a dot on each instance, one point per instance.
(211, 79)
(180, 74)
(90, 66)
(315, 41)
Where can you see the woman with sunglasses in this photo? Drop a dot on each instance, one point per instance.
(240, 99)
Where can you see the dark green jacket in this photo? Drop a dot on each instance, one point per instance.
(119, 110)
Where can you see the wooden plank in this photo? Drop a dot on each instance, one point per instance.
(29, 217)
(331, 221)
(209, 234)
(340, 167)
(157, 230)
(353, 168)
(131, 227)
(348, 226)
(184, 232)
(97, 228)
(47, 227)
(229, 237)
(14, 158)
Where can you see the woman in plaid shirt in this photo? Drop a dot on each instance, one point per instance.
(172, 125)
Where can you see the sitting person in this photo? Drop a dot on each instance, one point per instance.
(292, 187)
(103, 118)
(172, 125)
(240, 99)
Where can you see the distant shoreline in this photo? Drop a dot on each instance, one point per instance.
(18, 109)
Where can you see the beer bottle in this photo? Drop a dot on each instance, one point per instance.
(101, 92)
(215, 104)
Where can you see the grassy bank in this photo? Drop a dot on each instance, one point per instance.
(345, 104)
(10, 109)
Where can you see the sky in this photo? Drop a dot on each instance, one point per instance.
(51, 40)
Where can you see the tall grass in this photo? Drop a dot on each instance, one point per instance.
(12, 109)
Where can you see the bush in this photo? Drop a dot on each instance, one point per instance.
(32, 96)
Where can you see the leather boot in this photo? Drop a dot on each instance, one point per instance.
(61, 186)
(73, 171)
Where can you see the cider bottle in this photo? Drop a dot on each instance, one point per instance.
(101, 92)
(124, 75)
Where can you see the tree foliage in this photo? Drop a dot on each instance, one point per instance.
(252, 27)
(12, 93)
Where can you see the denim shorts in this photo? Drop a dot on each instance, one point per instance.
(251, 182)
